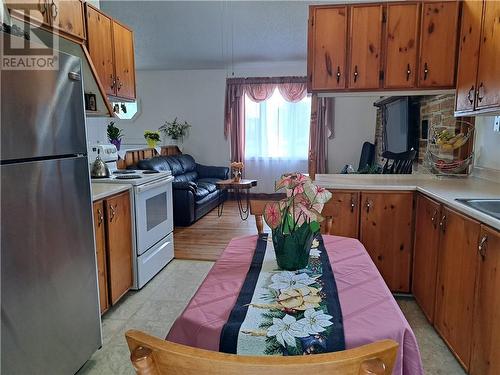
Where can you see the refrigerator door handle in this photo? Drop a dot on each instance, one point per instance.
(74, 76)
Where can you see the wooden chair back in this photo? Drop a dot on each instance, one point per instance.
(154, 356)
(398, 163)
(257, 209)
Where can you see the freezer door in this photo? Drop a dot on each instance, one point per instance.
(49, 301)
(42, 111)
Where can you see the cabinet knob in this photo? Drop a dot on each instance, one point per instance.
(408, 72)
(478, 92)
(42, 6)
(368, 205)
(113, 81)
(100, 217)
(470, 95)
(442, 224)
(54, 10)
(482, 246)
(426, 71)
(338, 74)
(355, 73)
(433, 219)
(353, 204)
(119, 83)
(112, 212)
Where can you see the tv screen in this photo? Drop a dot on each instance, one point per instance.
(396, 126)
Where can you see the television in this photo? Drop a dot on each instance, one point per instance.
(401, 119)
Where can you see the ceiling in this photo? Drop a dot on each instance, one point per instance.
(182, 35)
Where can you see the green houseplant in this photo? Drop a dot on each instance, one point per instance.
(294, 221)
(115, 135)
(175, 129)
(152, 138)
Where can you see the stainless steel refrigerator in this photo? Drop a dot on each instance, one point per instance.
(49, 297)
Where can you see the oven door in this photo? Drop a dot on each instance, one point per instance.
(153, 212)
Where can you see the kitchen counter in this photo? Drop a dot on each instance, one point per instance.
(100, 191)
(442, 189)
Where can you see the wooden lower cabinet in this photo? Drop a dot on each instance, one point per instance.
(457, 266)
(425, 254)
(386, 227)
(345, 213)
(113, 238)
(485, 357)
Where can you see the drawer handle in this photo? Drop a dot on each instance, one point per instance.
(482, 246)
(100, 217)
(113, 212)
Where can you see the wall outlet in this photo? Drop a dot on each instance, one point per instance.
(496, 124)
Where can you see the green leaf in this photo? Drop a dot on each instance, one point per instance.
(314, 225)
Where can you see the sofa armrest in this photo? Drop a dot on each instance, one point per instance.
(185, 185)
(205, 171)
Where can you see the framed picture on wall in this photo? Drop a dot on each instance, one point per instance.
(90, 102)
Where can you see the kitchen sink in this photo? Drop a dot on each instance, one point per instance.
(488, 206)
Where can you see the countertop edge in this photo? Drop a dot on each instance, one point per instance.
(106, 190)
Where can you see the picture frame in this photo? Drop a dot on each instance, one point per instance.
(90, 102)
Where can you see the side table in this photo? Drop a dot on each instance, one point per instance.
(238, 188)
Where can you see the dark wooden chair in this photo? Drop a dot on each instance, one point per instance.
(398, 163)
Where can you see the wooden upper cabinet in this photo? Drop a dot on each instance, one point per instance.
(329, 45)
(488, 76)
(485, 358)
(100, 45)
(345, 213)
(67, 17)
(386, 232)
(457, 266)
(119, 245)
(365, 35)
(438, 40)
(425, 254)
(100, 244)
(35, 11)
(124, 61)
(401, 41)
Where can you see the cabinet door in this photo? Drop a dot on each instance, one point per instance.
(35, 11)
(468, 55)
(124, 61)
(438, 39)
(345, 213)
(485, 359)
(100, 45)
(456, 277)
(329, 45)
(67, 16)
(425, 254)
(488, 77)
(401, 43)
(119, 245)
(386, 233)
(365, 45)
(100, 245)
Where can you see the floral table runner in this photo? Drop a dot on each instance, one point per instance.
(285, 313)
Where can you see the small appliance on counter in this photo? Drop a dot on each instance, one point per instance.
(99, 168)
(153, 240)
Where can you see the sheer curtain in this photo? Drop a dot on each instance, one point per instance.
(276, 138)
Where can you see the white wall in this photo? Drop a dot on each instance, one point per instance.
(197, 96)
(487, 143)
(355, 120)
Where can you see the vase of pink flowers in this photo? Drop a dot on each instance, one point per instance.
(294, 220)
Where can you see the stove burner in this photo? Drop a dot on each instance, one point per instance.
(128, 177)
(150, 172)
(125, 171)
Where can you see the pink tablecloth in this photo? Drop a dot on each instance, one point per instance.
(369, 310)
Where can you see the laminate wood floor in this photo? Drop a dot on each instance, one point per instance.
(208, 237)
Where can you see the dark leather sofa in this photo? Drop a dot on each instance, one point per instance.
(194, 190)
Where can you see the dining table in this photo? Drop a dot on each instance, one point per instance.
(369, 311)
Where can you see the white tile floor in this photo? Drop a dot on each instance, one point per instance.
(157, 305)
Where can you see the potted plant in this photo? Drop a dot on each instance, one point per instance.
(175, 130)
(115, 135)
(294, 221)
(152, 138)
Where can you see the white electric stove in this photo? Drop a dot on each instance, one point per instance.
(153, 214)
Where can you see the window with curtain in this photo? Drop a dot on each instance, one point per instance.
(276, 138)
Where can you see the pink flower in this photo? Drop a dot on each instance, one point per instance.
(272, 214)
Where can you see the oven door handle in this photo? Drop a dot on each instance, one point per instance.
(153, 185)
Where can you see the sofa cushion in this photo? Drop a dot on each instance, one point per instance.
(212, 196)
(190, 176)
(206, 185)
(187, 162)
(158, 163)
(212, 181)
(175, 165)
(200, 193)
